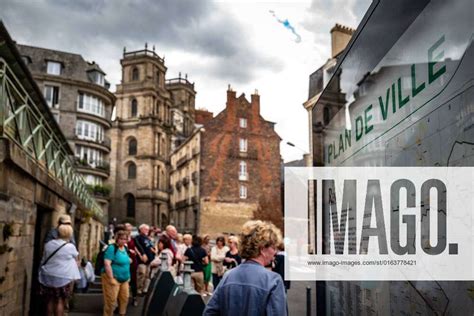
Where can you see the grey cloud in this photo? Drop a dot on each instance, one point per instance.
(198, 27)
(323, 14)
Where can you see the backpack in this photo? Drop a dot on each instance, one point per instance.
(99, 264)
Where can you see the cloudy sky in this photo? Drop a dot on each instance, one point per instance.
(215, 42)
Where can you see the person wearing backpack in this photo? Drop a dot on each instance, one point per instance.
(58, 270)
(116, 275)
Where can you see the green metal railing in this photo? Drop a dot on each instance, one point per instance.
(23, 123)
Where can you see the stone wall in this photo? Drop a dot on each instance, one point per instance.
(91, 232)
(218, 218)
(30, 205)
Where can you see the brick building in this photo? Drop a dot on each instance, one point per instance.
(153, 115)
(240, 168)
(79, 98)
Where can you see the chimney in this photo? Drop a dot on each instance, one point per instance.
(231, 96)
(255, 102)
(202, 116)
(340, 37)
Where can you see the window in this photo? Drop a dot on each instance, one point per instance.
(243, 191)
(132, 147)
(89, 131)
(243, 145)
(53, 68)
(51, 95)
(243, 122)
(134, 108)
(135, 74)
(132, 171)
(326, 115)
(93, 180)
(243, 175)
(130, 199)
(26, 60)
(97, 77)
(90, 104)
(89, 156)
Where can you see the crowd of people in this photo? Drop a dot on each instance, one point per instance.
(238, 272)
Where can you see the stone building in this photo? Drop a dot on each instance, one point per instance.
(318, 80)
(240, 168)
(319, 117)
(184, 183)
(38, 183)
(79, 98)
(152, 116)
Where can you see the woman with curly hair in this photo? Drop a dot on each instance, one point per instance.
(250, 289)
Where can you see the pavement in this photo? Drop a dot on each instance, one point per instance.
(92, 303)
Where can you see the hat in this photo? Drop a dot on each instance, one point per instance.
(64, 219)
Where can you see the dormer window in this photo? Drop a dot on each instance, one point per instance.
(53, 68)
(26, 60)
(97, 77)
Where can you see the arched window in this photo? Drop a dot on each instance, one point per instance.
(135, 74)
(132, 147)
(130, 205)
(326, 115)
(132, 171)
(134, 108)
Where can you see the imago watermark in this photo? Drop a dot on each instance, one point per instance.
(379, 223)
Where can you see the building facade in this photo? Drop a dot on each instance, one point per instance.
(152, 116)
(38, 183)
(240, 168)
(79, 98)
(184, 183)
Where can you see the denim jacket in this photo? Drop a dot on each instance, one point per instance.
(249, 289)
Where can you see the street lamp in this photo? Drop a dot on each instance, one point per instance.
(293, 145)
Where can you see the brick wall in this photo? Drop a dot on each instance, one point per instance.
(221, 160)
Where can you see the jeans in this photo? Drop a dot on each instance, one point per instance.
(215, 280)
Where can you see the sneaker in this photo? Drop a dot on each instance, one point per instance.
(135, 302)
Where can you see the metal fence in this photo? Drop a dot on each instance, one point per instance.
(24, 123)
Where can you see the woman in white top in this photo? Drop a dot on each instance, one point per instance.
(164, 246)
(217, 258)
(58, 269)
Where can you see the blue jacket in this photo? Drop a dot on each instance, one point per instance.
(249, 290)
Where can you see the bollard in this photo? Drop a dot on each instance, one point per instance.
(160, 289)
(187, 282)
(185, 301)
(164, 262)
(308, 301)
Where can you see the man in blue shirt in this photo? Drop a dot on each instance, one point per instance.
(147, 250)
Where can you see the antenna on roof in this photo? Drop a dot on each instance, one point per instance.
(146, 45)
